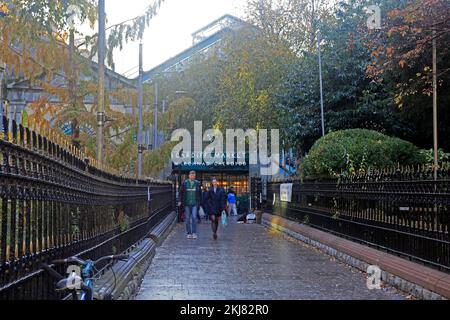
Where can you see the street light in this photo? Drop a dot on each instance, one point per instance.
(101, 78)
(2, 93)
(155, 127)
(155, 120)
(141, 98)
(166, 100)
(435, 108)
(178, 92)
(321, 83)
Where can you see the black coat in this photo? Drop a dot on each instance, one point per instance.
(215, 201)
(205, 205)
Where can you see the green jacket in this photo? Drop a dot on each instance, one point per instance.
(198, 193)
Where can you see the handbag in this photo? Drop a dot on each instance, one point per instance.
(181, 214)
(224, 219)
(201, 212)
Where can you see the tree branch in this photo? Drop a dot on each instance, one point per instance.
(16, 52)
(150, 7)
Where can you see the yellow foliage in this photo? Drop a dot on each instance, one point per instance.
(4, 8)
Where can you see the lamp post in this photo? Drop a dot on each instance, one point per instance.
(141, 98)
(166, 100)
(2, 107)
(164, 103)
(321, 84)
(101, 78)
(155, 125)
(3, 13)
(435, 109)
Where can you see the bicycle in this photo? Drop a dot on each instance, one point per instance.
(80, 282)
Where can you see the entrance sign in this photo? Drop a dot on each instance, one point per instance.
(286, 192)
(214, 154)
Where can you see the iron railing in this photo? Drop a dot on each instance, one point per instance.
(54, 204)
(402, 211)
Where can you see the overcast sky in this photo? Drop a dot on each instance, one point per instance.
(170, 31)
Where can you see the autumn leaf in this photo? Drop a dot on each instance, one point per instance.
(390, 32)
(402, 63)
(393, 13)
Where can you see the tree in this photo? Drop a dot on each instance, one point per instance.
(401, 59)
(39, 46)
(234, 85)
(352, 100)
(253, 67)
(407, 40)
(294, 22)
(34, 36)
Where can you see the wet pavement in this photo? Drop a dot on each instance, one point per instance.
(250, 262)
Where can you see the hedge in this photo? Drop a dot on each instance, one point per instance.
(347, 151)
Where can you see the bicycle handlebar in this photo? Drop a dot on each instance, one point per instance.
(55, 275)
(114, 257)
(63, 281)
(75, 260)
(81, 262)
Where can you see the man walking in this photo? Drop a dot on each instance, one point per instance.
(215, 200)
(190, 199)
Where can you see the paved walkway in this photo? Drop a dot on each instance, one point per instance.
(272, 267)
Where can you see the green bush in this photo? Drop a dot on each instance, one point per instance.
(348, 151)
(429, 156)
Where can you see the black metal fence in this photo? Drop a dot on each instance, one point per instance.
(402, 211)
(55, 204)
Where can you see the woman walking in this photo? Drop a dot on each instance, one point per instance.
(215, 200)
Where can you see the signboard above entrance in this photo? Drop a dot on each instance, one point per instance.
(241, 164)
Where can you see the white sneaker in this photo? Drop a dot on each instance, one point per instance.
(194, 236)
(189, 236)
